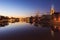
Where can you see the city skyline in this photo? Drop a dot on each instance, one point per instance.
(25, 8)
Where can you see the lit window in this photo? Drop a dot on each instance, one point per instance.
(59, 18)
(54, 19)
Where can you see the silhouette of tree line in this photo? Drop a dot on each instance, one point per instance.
(6, 19)
(44, 20)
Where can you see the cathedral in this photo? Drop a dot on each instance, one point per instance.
(55, 15)
(52, 10)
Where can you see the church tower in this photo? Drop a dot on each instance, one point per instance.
(52, 10)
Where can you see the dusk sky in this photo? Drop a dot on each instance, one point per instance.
(27, 7)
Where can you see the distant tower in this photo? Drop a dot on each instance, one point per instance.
(38, 13)
(52, 10)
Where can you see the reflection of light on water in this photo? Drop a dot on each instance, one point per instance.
(59, 28)
(55, 27)
(52, 33)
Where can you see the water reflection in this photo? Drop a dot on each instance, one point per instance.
(2, 24)
(46, 24)
(54, 29)
(25, 30)
(5, 23)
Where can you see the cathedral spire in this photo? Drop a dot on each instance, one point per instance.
(52, 10)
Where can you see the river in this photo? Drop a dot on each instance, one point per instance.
(27, 31)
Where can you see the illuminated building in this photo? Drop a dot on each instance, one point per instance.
(52, 10)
